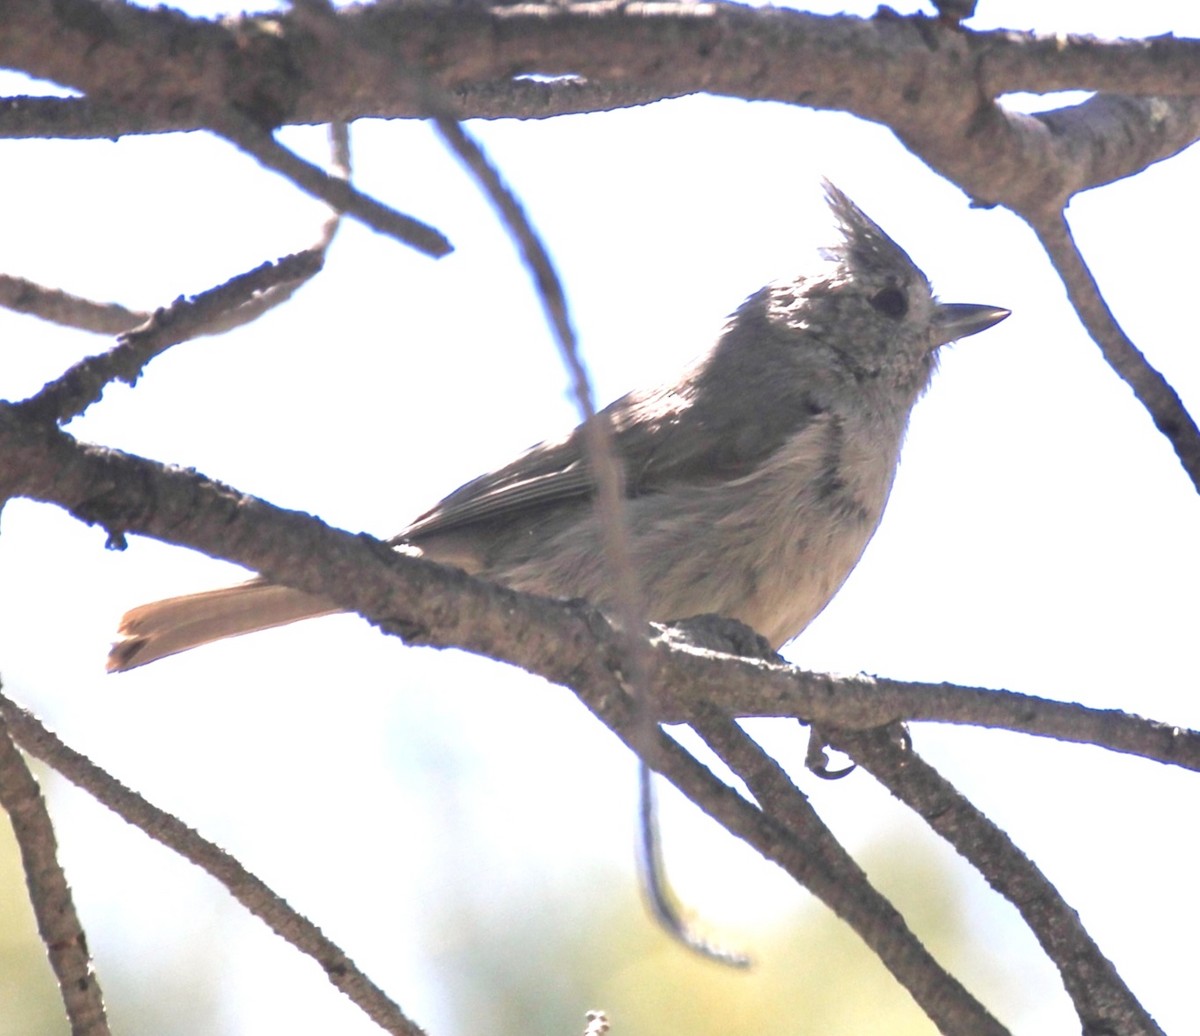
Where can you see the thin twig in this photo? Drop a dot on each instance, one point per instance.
(210, 312)
(49, 893)
(1103, 1002)
(277, 294)
(245, 887)
(335, 191)
(238, 302)
(610, 511)
(60, 307)
(601, 454)
(660, 898)
(1153, 391)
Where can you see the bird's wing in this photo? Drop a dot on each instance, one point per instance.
(552, 472)
(547, 472)
(660, 438)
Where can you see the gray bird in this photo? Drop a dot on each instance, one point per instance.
(753, 483)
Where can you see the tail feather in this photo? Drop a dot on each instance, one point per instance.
(153, 631)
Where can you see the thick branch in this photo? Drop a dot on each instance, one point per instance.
(933, 83)
(725, 48)
(1033, 164)
(424, 602)
(81, 118)
(566, 643)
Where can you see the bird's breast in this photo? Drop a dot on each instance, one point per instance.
(794, 530)
(770, 547)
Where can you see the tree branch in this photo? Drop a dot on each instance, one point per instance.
(1152, 390)
(49, 893)
(749, 688)
(564, 642)
(568, 643)
(1102, 1000)
(81, 118)
(833, 875)
(60, 307)
(335, 191)
(935, 84)
(210, 312)
(245, 887)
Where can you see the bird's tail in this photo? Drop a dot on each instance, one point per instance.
(153, 631)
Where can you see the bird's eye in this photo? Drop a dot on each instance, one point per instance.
(891, 302)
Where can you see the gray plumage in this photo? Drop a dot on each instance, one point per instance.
(752, 484)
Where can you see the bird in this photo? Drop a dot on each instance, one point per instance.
(752, 482)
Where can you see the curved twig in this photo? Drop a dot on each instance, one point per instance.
(611, 515)
(60, 307)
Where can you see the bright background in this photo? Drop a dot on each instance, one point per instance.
(466, 831)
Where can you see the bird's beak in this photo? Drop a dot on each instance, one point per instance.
(954, 320)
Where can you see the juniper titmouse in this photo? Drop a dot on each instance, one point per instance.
(752, 483)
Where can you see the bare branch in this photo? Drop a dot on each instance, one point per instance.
(82, 118)
(1109, 137)
(188, 64)
(60, 307)
(247, 889)
(833, 875)
(335, 191)
(1102, 1000)
(791, 835)
(1153, 391)
(1033, 164)
(424, 602)
(211, 312)
(53, 905)
(268, 287)
(934, 83)
(563, 642)
(749, 688)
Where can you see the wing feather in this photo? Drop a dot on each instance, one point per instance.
(687, 432)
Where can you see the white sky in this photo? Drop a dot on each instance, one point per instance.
(1041, 536)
